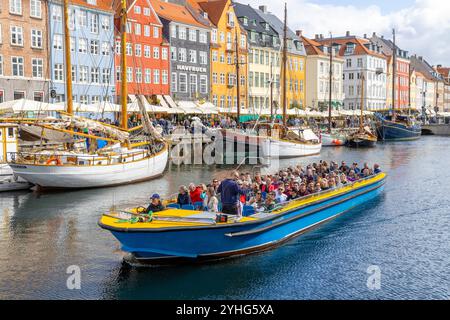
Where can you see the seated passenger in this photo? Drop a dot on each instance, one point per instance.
(303, 191)
(280, 196)
(256, 201)
(213, 202)
(195, 192)
(269, 204)
(183, 197)
(376, 168)
(155, 204)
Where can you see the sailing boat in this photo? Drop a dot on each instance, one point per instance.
(364, 136)
(125, 160)
(397, 127)
(275, 140)
(331, 138)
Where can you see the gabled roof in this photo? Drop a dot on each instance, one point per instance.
(103, 5)
(174, 12)
(312, 47)
(445, 72)
(214, 8)
(243, 10)
(421, 65)
(360, 48)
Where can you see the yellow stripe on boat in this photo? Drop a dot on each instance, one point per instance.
(109, 220)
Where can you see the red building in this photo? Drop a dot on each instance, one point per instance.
(147, 51)
(402, 83)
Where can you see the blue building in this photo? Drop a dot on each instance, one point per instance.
(91, 24)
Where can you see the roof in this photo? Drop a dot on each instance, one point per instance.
(421, 65)
(214, 8)
(104, 5)
(312, 47)
(445, 72)
(174, 12)
(387, 46)
(360, 48)
(278, 26)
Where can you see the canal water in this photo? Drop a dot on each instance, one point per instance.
(404, 234)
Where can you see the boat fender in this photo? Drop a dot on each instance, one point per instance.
(56, 160)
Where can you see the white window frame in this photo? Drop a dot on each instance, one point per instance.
(15, 7)
(58, 72)
(156, 76)
(20, 66)
(37, 68)
(180, 83)
(36, 9)
(36, 39)
(17, 34)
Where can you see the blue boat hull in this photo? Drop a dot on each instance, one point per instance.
(232, 240)
(392, 131)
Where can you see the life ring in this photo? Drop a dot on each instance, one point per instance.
(56, 160)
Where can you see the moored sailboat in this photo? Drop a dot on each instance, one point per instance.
(126, 159)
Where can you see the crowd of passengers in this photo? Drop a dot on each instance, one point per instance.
(264, 193)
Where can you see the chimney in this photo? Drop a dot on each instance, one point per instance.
(299, 33)
(263, 8)
(365, 35)
(382, 37)
(316, 37)
(439, 66)
(321, 36)
(347, 34)
(374, 34)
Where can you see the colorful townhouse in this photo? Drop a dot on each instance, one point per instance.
(189, 52)
(318, 75)
(413, 90)
(402, 72)
(263, 60)
(226, 56)
(91, 28)
(445, 73)
(364, 64)
(296, 60)
(23, 50)
(420, 89)
(147, 53)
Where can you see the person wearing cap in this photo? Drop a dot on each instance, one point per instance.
(155, 204)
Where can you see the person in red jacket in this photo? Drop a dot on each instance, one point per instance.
(195, 193)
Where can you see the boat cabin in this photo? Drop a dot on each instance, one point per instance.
(8, 141)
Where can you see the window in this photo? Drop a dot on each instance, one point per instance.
(137, 50)
(95, 75)
(203, 57)
(164, 53)
(214, 77)
(182, 54)
(155, 32)
(349, 63)
(173, 31)
(118, 74)
(156, 76)
(137, 9)
(84, 99)
(173, 82)
(193, 84)
(137, 29)
(173, 53)
(192, 56)
(360, 63)
(84, 74)
(146, 31)
(146, 51)
(203, 84)
(214, 56)
(183, 82)
(222, 101)
(148, 76)
(202, 37)
(138, 75)
(38, 96)
(215, 100)
(105, 48)
(182, 33)
(165, 77)
(1, 40)
(192, 35)
(146, 11)
(155, 53)
(37, 66)
(222, 78)
(15, 6)
(36, 38)
(17, 66)
(16, 36)
(35, 9)
(94, 23)
(57, 13)
(19, 95)
(129, 74)
(129, 49)
(82, 45)
(82, 18)
(243, 41)
(58, 72)
(105, 23)
(95, 99)
(214, 36)
(94, 47)
(106, 76)
(74, 73)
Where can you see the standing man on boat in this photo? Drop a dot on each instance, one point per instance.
(229, 194)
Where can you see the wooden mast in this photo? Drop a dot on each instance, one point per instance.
(68, 58)
(394, 69)
(330, 83)
(238, 98)
(361, 117)
(124, 91)
(284, 64)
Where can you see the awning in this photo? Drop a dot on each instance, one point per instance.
(208, 108)
(25, 105)
(189, 107)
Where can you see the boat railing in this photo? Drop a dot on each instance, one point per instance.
(67, 159)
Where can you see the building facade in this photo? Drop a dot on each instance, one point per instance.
(364, 64)
(296, 60)
(23, 50)
(225, 55)
(91, 28)
(318, 76)
(189, 51)
(147, 52)
(445, 73)
(263, 59)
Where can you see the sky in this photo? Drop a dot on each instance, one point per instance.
(422, 26)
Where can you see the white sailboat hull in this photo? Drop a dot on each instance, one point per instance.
(288, 149)
(93, 176)
(332, 140)
(5, 170)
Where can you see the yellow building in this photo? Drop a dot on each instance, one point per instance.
(296, 60)
(225, 33)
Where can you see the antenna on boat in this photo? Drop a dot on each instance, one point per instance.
(361, 118)
(123, 44)
(284, 63)
(330, 82)
(67, 53)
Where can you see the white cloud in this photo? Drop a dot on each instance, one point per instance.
(423, 28)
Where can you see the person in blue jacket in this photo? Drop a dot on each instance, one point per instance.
(183, 196)
(229, 194)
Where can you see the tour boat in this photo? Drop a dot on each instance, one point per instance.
(175, 235)
(120, 162)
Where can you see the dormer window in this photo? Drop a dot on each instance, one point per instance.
(267, 26)
(245, 21)
(92, 2)
(350, 48)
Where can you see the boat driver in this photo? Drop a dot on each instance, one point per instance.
(155, 204)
